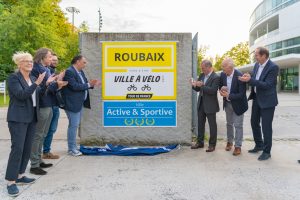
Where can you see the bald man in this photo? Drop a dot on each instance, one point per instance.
(235, 104)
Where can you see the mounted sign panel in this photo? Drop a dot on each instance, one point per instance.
(139, 70)
(139, 114)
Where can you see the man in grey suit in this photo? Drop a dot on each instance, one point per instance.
(208, 105)
(235, 104)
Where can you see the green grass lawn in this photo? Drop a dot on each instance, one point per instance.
(2, 100)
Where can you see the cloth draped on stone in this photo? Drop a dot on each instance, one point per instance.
(120, 150)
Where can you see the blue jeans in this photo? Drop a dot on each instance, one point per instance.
(74, 121)
(52, 130)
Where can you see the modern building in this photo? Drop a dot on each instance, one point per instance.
(275, 24)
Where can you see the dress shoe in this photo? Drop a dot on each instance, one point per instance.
(45, 165)
(210, 149)
(255, 150)
(237, 151)
(50, 156)
(264, 156)
(37, 171)
(228, 146)
(197, 145)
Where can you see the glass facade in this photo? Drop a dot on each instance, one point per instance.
(284, 47)
(268, 7)
(289, 79)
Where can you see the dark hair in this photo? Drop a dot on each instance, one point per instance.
(206, 63)
(263, 51)
(40, 54)
(76, 58)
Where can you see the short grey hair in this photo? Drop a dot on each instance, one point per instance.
(206, 63)
(21, 55)
(228, 61)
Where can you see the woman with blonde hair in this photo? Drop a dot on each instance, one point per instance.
(21, 117)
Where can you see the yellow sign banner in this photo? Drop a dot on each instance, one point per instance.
(139, 70)
(139, 54)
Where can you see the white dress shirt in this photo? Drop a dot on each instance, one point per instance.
(33, 95)
(259, 71)
(206, 77)
(229, 81)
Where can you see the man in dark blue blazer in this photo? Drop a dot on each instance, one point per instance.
(235, 104)
(264, 95)
(76, 96)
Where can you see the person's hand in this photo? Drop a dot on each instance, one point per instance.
(40, 78)
(199, 83)
(98, 83)
(61, 84)
(51, 79)
(192, 82)
(61, 75)
(224, 93)
(93, 82)
(245, 78)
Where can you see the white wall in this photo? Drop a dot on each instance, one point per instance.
(289, 26)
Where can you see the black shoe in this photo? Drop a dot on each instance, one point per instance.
(197, 146)
(37, 171)
(45, 165)
(255, 150)
(264, 156)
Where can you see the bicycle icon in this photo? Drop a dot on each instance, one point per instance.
(132, 87)
(146, 87)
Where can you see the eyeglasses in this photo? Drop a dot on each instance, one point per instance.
(27, 61)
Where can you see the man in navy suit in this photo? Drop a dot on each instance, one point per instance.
(235, 104)
(264, 95)
(76, 97)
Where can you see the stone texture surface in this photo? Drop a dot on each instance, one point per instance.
(92, 130)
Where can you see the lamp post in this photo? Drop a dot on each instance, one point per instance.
(72, 10)
(100, 20)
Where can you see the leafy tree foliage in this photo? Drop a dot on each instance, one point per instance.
(239, 54)
(84, 27)
(28, 25)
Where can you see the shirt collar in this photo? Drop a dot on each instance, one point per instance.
(208, 75)
(263, 65)
(231, 75)
(77, 70)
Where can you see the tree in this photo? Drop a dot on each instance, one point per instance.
(28, 25)
(84, 27)
(201, 56)
(239, 54)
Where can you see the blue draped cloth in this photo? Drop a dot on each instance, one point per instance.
(120, 150)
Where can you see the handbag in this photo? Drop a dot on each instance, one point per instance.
(60, 99)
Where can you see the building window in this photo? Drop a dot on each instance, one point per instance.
(289, 79)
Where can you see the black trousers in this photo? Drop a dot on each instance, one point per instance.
(211, 117)
(21, 142)
(265, 116)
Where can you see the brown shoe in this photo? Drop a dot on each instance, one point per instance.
(197, 145)
(210, 149)
(228, 146)
(50, 156)
(237, 151)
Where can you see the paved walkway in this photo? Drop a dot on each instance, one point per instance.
(180, 175)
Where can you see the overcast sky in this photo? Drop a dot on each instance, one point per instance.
(221, 24)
